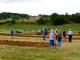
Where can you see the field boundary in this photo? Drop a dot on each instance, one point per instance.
(24, 43)
(75, 36)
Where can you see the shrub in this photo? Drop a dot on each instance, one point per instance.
(58, 20)
(13, 22)
(41, 21)
(4, 22)
(76, 19)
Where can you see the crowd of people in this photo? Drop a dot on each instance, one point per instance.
(60, 36)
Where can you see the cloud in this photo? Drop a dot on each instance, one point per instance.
(13, 1)
(35, 7)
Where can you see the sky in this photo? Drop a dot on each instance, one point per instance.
(36, 7)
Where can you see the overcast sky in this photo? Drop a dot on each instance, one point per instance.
(36, 7)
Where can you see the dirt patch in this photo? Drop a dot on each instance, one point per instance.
(28, 40)
(24, 43)
(75, 36)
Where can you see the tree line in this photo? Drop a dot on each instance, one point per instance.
(54, 18)
(59, 19)
(17, 16)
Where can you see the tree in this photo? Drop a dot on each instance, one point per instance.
(46, 18)
(53, 16)
(67, 18)
(59, 20)
(76, 18)
(13, 22)
(1, 17)
(41, 21)
(27, 17)
(15, 18)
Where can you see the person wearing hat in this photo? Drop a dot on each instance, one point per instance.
(70, 33)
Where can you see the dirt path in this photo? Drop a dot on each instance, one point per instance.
(30, 41)
(24, 41)
(17, 38)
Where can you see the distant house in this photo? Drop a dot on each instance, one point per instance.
(35, 16)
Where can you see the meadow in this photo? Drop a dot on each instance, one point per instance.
(32, 25)
(69, 51)
(74, 27)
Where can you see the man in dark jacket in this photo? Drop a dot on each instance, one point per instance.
(64, 35)
(59, 38)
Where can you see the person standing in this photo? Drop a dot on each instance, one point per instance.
(44, 34)
(70, 33)
(64, 35)
(56, 33)
(59, 39)
(12, 33)
(51, 37)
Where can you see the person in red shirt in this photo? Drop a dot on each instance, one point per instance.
(64, 35)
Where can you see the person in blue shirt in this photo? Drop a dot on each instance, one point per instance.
(12, 33)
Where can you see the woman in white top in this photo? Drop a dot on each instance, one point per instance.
(51, 37)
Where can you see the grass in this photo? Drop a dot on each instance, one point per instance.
(74, 27)
(69, 51)
(22, 26)
(20, 20)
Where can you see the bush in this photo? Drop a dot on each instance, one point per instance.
(41, 21)
(53, 16)
(4, 22)
(13, 22)
(29, 22)
(58, 20)
(76, 19)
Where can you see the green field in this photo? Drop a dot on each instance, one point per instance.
(74, 27)
(69, 51)
(22, 25)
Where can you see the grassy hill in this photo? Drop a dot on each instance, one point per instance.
(28, 24)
